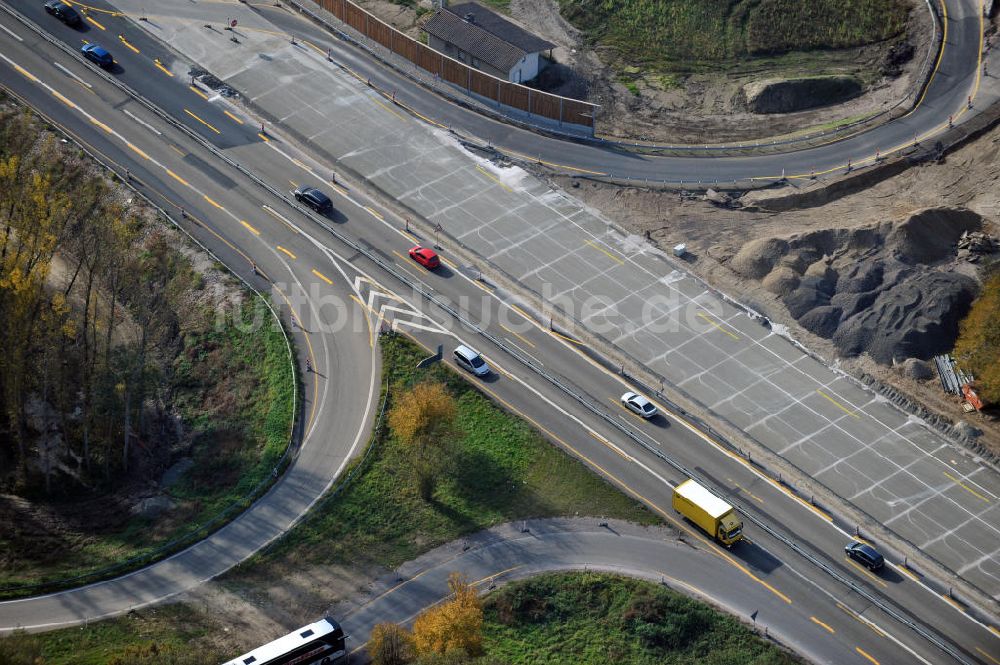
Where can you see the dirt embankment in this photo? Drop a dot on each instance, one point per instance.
(707, 106)
(871, 275)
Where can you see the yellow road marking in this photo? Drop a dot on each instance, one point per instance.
(293, 183)
(304, 167)
(266, 140)
(907, 572)
(820, 623)
(568, 339)
(866, 655)
(122, 39)
(493, 178)
(716, 325)
(387, 108)
(608, 444)
(177, 150)
(995, 631)
(28, 75)
(92, 20)
(233, 117)
(137, 151)
(322, 276)
(745, 491)
(202, 121)
(375, 213)
(177, 177)
(992, 659)
(558, 166)
(865, 571)
(953, 603)
(837, 404)
(93, 9)
(518, 335)
(282, 249)
(604, 251)
(252, 229)
(63, 99)
(851, 613)
(342, 192)
(966, 488)
(101, 125)
(163, 69)
(198, 92)
(207, 198)
(400, 256)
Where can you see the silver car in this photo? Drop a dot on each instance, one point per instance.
(470, 360)
(638, 405)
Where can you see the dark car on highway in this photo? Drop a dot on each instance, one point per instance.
(63, 12)
(98, 54)
(865, 554)
(314, 198)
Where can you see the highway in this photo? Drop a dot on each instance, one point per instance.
(638, 306)
(297, 249)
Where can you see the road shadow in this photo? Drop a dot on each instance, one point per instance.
(755, 557)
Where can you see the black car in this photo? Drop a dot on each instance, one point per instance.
(865, 554)
(314, 198)
(63, 12)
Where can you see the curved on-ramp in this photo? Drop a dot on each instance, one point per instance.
(524, 549)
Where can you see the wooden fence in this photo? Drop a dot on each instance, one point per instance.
(516, 96)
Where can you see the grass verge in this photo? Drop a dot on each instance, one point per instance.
(501, 470)
(595, 619)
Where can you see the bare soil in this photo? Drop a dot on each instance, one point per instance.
(715, 235)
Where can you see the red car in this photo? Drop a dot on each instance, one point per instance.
(425, 256)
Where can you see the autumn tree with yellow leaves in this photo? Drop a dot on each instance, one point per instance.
(977, 349)
(455, 624)
(423, 418)
(85, 309)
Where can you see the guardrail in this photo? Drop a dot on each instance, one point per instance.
(428, 294)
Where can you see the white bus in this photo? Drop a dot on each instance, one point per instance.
(320, 643)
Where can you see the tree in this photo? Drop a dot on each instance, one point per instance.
(977, 349)
(424, 419)
(390, 644)
(453, 625)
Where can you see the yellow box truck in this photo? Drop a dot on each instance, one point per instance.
(708, 511)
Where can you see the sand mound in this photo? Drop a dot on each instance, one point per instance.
(929, 235)
(782, 280)
(885, 289)
(756, 258)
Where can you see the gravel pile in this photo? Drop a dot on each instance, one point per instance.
(888, 289)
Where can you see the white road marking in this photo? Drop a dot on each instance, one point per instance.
(69, 73)
(142, 122)
(15, 36)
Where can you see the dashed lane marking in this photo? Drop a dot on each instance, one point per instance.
(202, 121)
(965, 487)
(866, 655)
(853, 414)
(822, 625)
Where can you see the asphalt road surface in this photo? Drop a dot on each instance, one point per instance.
(812, 576)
